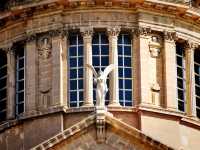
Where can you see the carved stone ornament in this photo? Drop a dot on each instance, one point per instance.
(44, 47)
(145, 31)
(155, 46)
(86, 32)
(169, 35)
(113, 31)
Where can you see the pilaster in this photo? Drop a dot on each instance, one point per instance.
(113, 59)
(190, 81)
(31, 67)
(170, 71)
(11, 83)
(143, 38)
(88, 74)
(59, 64)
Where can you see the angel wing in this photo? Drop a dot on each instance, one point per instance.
(93, 70)
(108, 69)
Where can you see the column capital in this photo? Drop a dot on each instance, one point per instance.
(31, 37)
(86, 32)
(191, 46)
(58, 32)
(113, 31)
(144, 31)
(170, 36)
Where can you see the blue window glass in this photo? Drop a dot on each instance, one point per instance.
(3, 85)
(75, 53)
(125, 69)
(197, 80)
(100, 57)
(20, 79)
(180, 67)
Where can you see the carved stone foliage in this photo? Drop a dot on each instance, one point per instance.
(145, 31)
(44, 47)
(169, 35)
(113, 31)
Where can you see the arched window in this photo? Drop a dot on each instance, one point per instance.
(100, 57)
(125, 69)
(20, 79)
(181, 76)
(75, 54)
(197, 80)
(3, 85)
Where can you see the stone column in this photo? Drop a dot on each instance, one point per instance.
(59, 62)
(31, 67)
(190, 81)
(154, 48)
(88, 74)
(113, 59)
(170, 70)
(143, 36)
(11, 83)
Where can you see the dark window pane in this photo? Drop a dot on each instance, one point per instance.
(73, 62)
(128, 73)
(80, 73)
(20, 108)
(73, 40)
(127, 39)
(198, 113)
(3, 94)
(197, 101)
(121, 95)
(197, 90)
(128, 95)
(197, 69)
(120, 61)
(80, 61)
(181, 106)
(197, 80)
(197, 56)
(180, 94)
(127, 103)
(21, 52)
(127, 61)
(73, 84)
(80, 84)
(104, 61)
(179, 72)
(179, 61)
(73, 73)
(2, 105)
(127, 50)
(73, 96)
(20, 85)
(80, 51)
(120, 50)
(120, 72)
(104, 50)
(95, 50)
(3, 72)
(3, 83)
(120, 39)
(95, 61)
(2, 116)
(180, 83)
(81, 96)
(73, 104)
(128, 84)
(3, 59)
(73, 51)
(120, 83)
(20, 74)
(179, 49)
(20, 97)
(104, 38)
(21, 63)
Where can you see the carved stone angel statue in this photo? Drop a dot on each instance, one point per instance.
(100, 80)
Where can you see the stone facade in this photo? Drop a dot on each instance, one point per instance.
(48, 121)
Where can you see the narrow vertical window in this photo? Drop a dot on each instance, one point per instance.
(75, 70)
(197, 80)
(125, 69)
(20, 80)
(181, 77)
(100, 57)
(3, 85)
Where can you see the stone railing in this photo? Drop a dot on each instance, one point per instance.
(186, 2)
